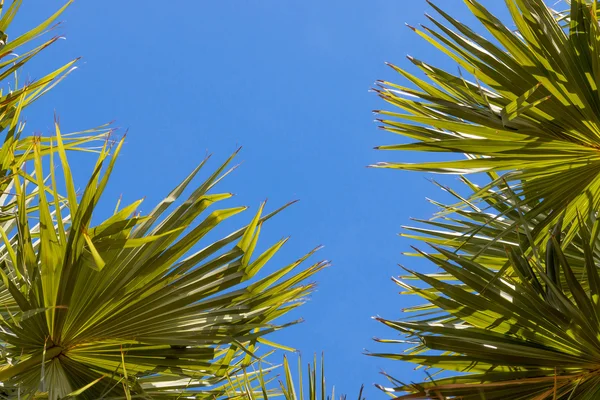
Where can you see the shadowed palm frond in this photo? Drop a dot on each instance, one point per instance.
(532, 334)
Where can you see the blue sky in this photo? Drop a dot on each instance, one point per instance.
(289, 81)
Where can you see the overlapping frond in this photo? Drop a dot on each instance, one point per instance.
(533, 334)
(513, 311)
(484, 228)
(16, 95)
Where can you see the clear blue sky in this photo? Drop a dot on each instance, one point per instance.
(289, 81)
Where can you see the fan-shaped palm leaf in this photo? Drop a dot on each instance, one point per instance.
(530, 110)
(125, 300)
(483, 229)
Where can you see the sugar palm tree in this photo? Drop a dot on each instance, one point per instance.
(515, 307)
(138, 305)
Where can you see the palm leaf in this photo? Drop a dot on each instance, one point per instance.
(129, 300)
(524, 335)
(483, 229)
(133, 306)
(529, 111)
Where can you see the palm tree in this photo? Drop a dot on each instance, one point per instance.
(515, 308)
(135, 306)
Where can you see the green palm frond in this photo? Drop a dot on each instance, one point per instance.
(534, 334)
(528, 107)
(130, 302)
(514, 311)
(16, 95)
(562, 10)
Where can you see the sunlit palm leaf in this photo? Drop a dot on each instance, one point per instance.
(483, 229)
(528, 108)
(134, 289)
(15, 96)
(131, 307)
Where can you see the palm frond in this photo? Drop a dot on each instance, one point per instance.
(530, 334)
(130, 299)
(484, 228)
(135, 306)
(527, 107)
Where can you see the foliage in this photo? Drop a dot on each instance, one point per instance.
(521, 326)
(315, 379)
(129, 307)
(125, 300)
